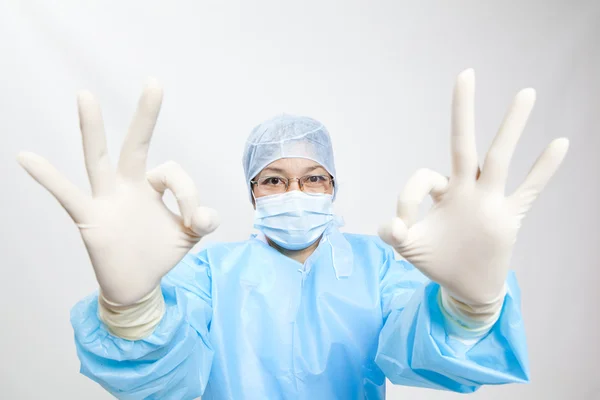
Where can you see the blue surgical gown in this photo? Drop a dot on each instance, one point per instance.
(243, 321)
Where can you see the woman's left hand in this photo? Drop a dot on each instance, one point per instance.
(465, 241)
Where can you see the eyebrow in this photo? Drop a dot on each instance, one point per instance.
(272, 169)
(282, 172)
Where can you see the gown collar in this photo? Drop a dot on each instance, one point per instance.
(336, 243)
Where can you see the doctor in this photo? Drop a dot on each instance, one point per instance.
(300, 310)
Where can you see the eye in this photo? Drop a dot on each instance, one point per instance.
(316, 179)
(272, 181)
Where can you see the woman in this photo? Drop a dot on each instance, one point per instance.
(299, 310)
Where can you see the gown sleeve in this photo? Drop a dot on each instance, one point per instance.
(174, 362)
(415, 348)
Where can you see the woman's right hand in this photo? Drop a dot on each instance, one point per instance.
(131, 236)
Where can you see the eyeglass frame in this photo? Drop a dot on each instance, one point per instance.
(288, 181)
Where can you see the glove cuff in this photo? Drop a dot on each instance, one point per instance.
(467, 321)
(136, 321)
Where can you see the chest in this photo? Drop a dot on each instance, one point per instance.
(294, 304)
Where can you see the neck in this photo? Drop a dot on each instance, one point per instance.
(299, 255)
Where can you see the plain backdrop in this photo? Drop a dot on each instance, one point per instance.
(378, 74)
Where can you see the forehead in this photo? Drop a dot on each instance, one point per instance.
(292, 166)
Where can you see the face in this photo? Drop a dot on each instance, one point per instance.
(291, 168)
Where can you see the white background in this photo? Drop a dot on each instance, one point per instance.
(379, 74)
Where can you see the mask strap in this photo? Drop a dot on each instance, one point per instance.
(341, 251)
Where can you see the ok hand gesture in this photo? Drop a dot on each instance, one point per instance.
(465, 241)
(132, 238)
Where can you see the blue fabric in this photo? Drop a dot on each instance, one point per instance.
(245, 322)
(294, 220)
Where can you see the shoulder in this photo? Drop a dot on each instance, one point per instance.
(209, 253)
(199, 266)
(371, 242)
(370, 246)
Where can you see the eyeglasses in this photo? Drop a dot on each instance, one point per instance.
(278, 184)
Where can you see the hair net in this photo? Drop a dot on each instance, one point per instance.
(287, 136)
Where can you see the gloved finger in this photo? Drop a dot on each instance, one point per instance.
(476, 175)
(422, 183)
(171, 176)
(394, 233)
(204, 221)
(464, 151)
(132, 161)
(67, 194)
(497, 160)
(539, 175)
(97, 163)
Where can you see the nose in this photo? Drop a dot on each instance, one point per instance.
(294, 184)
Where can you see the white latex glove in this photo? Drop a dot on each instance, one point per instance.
(465, 241)
(132, 238)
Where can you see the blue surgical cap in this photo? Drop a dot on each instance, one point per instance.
(287, 136)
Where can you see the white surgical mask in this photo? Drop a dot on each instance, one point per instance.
(294, 220)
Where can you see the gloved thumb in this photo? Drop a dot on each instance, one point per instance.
(204, 221)
(394, 233)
